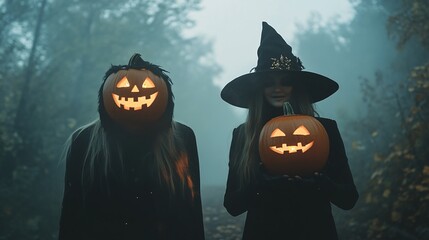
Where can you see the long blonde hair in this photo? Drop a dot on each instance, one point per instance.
(248, 162)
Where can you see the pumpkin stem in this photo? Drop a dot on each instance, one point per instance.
(287, 109)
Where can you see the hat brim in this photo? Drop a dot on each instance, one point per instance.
(242, 89)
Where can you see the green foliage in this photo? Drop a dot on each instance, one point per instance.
(386, 135)
(398, 192)
(411, 21)
(405, 197)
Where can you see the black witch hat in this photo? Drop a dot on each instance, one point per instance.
(275, 58)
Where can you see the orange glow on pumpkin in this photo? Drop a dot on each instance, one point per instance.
(134, 103)
(135, 98)
(293, 145)
(301, 130)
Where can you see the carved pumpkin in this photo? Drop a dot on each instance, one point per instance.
(293, 144)
(134, 98)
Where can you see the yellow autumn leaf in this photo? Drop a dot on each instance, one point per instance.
(395, 216)
(426, 170)
(421, 188)
(368, 198)
(414, 110)
(386, 193)
(377, 157)
(357, 145)
(376, 173)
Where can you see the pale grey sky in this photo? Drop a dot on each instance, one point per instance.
(235, 26)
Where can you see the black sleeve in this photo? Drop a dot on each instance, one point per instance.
(197, 212)
(236, 200)
(343, 192)
(71, 220)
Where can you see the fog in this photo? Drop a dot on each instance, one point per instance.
(54, 55)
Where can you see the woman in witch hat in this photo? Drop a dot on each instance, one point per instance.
(134, 172)
(282, 206)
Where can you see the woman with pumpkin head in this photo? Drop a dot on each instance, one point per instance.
(134, 172)
(286, 166)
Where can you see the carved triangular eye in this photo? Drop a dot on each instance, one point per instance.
(123, 83)
(301, 130)
(277, 133)
(148, 83)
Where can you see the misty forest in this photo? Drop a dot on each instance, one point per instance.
(55, 53)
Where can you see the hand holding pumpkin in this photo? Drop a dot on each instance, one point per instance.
(285, 181)
(318, 180)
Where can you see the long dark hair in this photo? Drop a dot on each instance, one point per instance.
(169, 151)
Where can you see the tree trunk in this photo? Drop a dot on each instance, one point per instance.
(22, 108)
(76, 100)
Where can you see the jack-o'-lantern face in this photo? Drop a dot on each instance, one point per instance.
(143, 98)
(293, 145)
(292, 148)
(135, 97)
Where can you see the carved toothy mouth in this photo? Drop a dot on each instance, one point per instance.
(134, 103)
(291, 149)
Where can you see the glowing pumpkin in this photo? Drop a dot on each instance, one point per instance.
(293, 144)
(135, 97)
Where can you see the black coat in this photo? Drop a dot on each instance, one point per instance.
(278, 210)
(134, 206)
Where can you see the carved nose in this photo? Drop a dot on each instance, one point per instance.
(135, 89)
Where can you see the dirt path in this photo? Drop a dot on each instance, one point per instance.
(217, 221)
